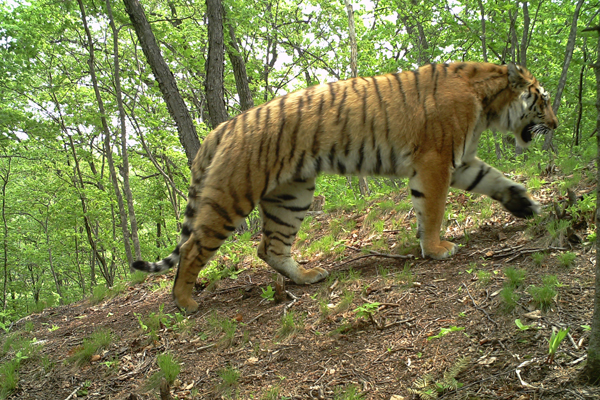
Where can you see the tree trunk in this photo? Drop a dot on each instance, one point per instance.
(563, 76)
(51, 263)
(576, 130)
(214, 64)
(166, 81)
(5, 232)
(592, 368)
(525, 38)
(105, 128)
(239, 68)
(363, 185)
(483, 37)
(125, 172)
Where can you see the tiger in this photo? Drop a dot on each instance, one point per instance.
(423, 125)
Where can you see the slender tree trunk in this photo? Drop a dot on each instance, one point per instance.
(563, 76)
(363, 185)
(576, 133)
(5, 179)
(239, 68)
(125, 173)
(51, 262)
(107, 145)
(525, 38)
(592, 368)
(215, 64)
(483, 35)
(166, 81)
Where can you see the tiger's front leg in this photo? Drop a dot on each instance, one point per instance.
(478, 177)
(429, 189)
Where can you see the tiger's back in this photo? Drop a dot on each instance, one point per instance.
(421, 124)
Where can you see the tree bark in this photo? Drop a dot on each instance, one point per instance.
(125, 172)
(106, 130)
(215, 64)
(592, 368)
(483, 35)
(563, 76)
(5, 179)
(166, 81)
(239, 68)
(525, 37)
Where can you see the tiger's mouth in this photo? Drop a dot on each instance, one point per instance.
(531, 129)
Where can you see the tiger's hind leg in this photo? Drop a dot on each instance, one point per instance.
(212, 225)
(429, 189)
(282, 211)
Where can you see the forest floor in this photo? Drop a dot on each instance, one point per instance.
(429, 319)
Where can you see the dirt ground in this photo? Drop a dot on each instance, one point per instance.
(333, 348)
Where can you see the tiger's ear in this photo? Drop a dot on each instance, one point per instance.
(518, 78)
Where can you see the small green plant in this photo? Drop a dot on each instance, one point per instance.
(290, 324)
(229, 380)
(445, 331)
(566, 259)
(29, 326)
(521, 326)
(509, 298)
(169, 369)
(428, 389)
(9, 378)
(555, 339)
(406, 276)
(98, 340)
(112, 366)
(271, 393)
(226, 326)
(586, 328)
(349, 392)
(515, 276)
(542, 295)
(268, 293)
(538, 258)
(367, 311)
(345, 302)
(99, 293)
(484, 277)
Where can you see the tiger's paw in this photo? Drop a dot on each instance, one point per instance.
(187, 305)
(308, 276)
(440, 252)
(519, 203)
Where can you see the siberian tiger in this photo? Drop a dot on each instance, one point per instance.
(423, 124)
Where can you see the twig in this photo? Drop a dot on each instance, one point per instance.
(255, 318)
(518, 372)
(289, 305)
(479, 308)
(74, 392)
(580, 359)
(375, 254)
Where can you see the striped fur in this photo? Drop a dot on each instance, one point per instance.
(423, 124)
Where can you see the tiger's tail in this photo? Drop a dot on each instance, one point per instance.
(201, 163)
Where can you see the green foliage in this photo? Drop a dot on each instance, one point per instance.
(555, 339)
(225, 326)
(290, 324)
(543, 295)
(346, 300)
(349, 392)
(98, 340)
(229, 380)
(367, 310)
(538, 258)
(268, 293)
(429, 389)
(169, 369)
(484, 277)
(445, 331)
(515, 276)
(566, 259)
(521, 326)
(509, 298)
(9, 378)
(271, 393)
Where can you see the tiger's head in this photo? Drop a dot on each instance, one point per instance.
(531, 113)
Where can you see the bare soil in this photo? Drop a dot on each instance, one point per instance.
(332, 347)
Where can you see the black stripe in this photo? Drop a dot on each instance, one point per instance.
(416, 75)
(393, 159)
(185, 231)
(318, 165)
(300, 163)
(269, 200)
(341, 167)
(311, 189)
(341, 106)
(480, 175)
(361, 156)
(296, 208)
(399, 80)
(378, 163)
(282, 241)
(189, 211)
(211, 249)
(296, 128)
(332, 92)
(416, 193)
(208, 231)
(276, 219)
(434, 76)
(286, 197)
(229, 228)
(282, 117)
(264, 190)
(365, 105)
(332, 156)
(217, 208)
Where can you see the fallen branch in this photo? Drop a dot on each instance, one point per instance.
(479, 308)
(518, 372)
(373, 253)
(289, 305)
(74, 392)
